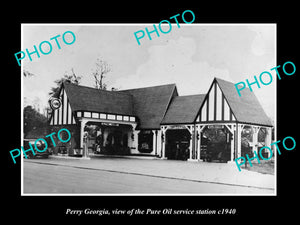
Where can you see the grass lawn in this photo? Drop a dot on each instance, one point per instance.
(265, 167)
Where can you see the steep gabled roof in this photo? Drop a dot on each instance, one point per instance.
(246, 108)
(161, 104)
(183, 109)
(150, 104)
(83, 98)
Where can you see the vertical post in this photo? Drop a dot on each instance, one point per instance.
(195, 153)
(255, 137)
(198, 137)
(191, 142)
(268, 138)
(85, 150)
(159, 147)
(231, 128)
(83, 144)
(239, 140)
(136, 139)
(154, 141)
(82, 125)
(163, 140)
(232, 143)
(133, 140)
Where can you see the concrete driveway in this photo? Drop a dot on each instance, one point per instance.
(213, 173)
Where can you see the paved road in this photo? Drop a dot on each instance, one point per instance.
(54, 179)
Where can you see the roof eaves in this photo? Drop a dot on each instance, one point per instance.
(239, 120)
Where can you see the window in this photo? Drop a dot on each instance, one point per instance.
(87, 114)
(95, 115)
(111, 117)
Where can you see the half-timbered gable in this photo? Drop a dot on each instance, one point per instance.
(215, 107)
(64, 114)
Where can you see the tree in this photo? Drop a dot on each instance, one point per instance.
(102, 68)
(33, 119)
(27, 73)
(72, 78)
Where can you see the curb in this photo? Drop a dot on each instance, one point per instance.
(68, 157)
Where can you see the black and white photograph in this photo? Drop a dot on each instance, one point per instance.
(131, 109)
(150, 113)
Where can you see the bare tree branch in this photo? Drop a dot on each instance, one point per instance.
(102, 68)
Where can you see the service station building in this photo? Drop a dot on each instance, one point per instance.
(156, 121)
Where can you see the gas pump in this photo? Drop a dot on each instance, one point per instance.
(85, 144)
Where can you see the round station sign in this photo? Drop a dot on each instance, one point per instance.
(55, 103)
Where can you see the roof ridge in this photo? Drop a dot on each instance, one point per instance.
(95, 100)
(83, 86)
(174, 84)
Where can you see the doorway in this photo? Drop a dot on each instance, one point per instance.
(218, 144)
(109, 139)
(145, 141)
(177, 144)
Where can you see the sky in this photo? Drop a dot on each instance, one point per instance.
(189, 56)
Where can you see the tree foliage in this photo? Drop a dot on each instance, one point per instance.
(72, 78)
(33, 119)
(27, 73)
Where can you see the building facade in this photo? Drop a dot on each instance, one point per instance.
(156, 121)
